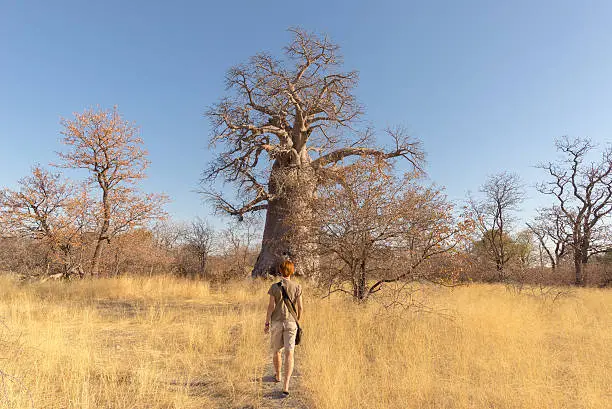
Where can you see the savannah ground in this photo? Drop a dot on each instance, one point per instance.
(163, 342)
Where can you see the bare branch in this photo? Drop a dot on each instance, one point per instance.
(583, 193)
(404, 147)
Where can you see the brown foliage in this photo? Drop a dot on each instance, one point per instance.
(110, 149)
(374, 228)
(51, 211)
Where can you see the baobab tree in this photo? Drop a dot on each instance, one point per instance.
(111, 150)
(583, 192)
(283, 123)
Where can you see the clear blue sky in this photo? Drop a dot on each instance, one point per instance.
(486, 85)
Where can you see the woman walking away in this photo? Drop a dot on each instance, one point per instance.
(281, 323)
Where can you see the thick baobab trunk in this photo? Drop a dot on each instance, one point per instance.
(274, 245)
(286, 232)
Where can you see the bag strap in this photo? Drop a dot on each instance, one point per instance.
(289, 303)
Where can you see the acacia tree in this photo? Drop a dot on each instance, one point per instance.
(110, 149)
(286, 121)
(502, 193)
(583, 192)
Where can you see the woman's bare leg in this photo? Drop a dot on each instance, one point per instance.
(288, 368)
(277, 360)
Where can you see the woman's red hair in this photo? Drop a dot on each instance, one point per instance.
(286, 268)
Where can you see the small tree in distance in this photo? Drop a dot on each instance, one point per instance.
(501, 195)
(238, 245)
(552, 230)
(53, 211)
(39, 209)
(583, 194)
(109, 148)
(199, 238)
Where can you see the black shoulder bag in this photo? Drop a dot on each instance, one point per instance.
(292, 310)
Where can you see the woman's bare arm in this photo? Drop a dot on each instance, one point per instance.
(299, 305)
(271, 305)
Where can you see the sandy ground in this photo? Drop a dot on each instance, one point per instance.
(272, 391)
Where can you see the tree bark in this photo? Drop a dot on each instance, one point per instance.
(578, 266)
(359, 292)
(286, 232)
(95, 263)
(584, 258)
(274, 243)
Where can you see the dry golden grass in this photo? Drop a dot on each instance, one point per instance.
(501, 350)
(130, 343)
(167, 343)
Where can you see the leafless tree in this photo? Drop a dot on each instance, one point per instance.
(238, 244)
(552, 231)
(200, 240)
(583, 192)
(169, 234)
(285, 122)
(374, 229)
(501, 195)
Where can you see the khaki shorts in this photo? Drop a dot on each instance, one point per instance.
(282, 334)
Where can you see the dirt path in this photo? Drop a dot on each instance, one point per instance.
(272, 391)
(215, 385)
